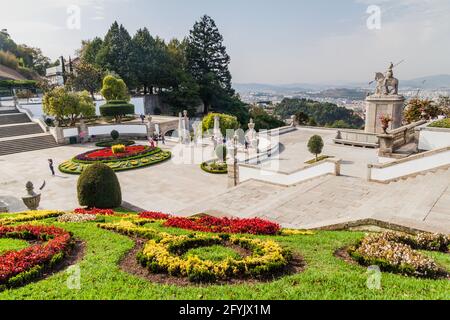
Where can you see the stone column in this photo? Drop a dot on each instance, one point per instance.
(377, 105)
(233, 166)
(59, 135)
(150, 126)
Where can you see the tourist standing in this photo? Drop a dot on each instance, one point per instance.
(142, 118)
(50, 165)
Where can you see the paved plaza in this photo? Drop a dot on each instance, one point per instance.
(182, 188)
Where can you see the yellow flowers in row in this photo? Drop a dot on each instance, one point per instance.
(166, 255)
(30, 216)
(293, 232)
(128, 228)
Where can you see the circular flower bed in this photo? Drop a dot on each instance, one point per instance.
(214, 167)
(397, 253)
(134, 157)
(166, 255)
(19, 267)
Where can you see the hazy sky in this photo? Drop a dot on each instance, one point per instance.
(270, 41)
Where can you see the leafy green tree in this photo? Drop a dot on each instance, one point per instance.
(323, 113)
(420, 109)
(315, 145)
(89, 50)
(264, 121)
(65, 105)
(208, 60)
(114, 89)
(86, 77)
(227, 122)
(114, 54)
(302, 118)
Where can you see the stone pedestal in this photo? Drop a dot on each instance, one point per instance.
(377, 105)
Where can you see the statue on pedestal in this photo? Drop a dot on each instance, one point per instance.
(386, 83)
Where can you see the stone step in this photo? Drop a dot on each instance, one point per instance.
(14, 118)
(28, 144)
(8, 111)
(19, 130)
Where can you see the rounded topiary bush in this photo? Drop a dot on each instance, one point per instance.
(98, 187)
(115, 134)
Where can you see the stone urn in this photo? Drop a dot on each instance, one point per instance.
(32, 199)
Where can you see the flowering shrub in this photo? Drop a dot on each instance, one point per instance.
(17, 267)
(254, 226)
(165, 256)
(118, 148)
(154, 215)
(95, 211)
(30, 216)
(77, 218)
(393, 252)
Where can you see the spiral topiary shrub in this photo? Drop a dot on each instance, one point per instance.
(98, 187)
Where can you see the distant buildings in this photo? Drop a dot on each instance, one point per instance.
(56, 75)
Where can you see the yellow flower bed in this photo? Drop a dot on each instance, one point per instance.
(118, 148)
(165, 255)
(129, 228)
(293, 232)
(30, 216)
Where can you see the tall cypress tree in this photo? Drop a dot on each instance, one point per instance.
(115, 53)
(208, 60)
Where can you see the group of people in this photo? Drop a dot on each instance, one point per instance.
(153, 140)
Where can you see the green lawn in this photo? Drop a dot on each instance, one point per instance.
(325, 277)
(12, 244)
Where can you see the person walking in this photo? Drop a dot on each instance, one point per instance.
(142, 118)
(50, 165)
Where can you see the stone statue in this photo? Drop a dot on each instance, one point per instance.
(386, 83)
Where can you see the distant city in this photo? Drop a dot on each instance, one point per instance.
(349, 95)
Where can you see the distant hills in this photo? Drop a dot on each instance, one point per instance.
(429, 82)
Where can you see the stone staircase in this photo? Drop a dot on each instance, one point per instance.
(19, 134)
(326, 200)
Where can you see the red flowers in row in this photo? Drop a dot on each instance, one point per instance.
(95, 211)
(154, 215)
(254, 226)
(13, 263)
(107, 154)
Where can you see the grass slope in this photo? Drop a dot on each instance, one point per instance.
(326, 277)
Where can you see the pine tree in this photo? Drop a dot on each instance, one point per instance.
(115, 52)
(208, 60)
(144, 59)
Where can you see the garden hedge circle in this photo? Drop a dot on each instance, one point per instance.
(50, 246)
(166, 256)
(145, 159)
(214, 169)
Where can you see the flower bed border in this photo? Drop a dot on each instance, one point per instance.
(165, 256)
(20, 267)
(115, 165)
(426, 267)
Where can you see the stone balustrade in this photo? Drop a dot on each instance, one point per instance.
(395, 139)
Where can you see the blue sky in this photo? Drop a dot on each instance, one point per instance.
(283, 41)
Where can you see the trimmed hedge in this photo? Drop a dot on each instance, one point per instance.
(444, 123)
(98, 187)
(116, 108)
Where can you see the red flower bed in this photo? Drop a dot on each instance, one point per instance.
(154, 215)
(95, 211)
(13, 263)
(107, 154)
(254, 226)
